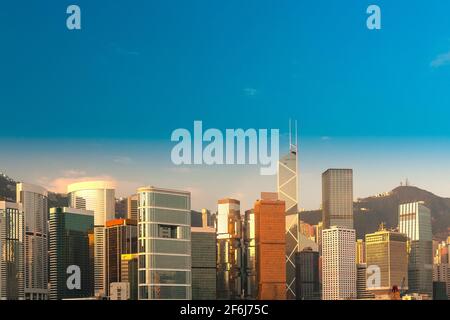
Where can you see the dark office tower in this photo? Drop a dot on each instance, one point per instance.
(132, 207)
(361, 282)
(129, 273)
(337, 198)
(69, 246)
(288, 192)
(270, 249)
(439, 290)
(307, 278)
(121, 238)
(249, 261)
(415, 222)
(203, 241)
(121, 208)
(12, 246)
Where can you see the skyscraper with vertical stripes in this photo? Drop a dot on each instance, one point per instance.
(34, 200)
(288, 192)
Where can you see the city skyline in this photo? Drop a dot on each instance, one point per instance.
(146, 163)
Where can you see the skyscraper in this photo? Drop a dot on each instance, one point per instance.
(249, 261)
(229, 249)
(121, 238)
(307, 278)
(132, 207)
(164, 244)
(337, 198)
(12, 249)
(203, 263)
(129, 273)
(35, 208)
(360, 251)
(338, 264)
(97, 196)
(69, 246)
(387, 255)
(270, 249)
(288, 192)
(361, 282)
(441, 274)
(415, 222)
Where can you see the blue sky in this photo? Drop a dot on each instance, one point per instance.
(140, 69)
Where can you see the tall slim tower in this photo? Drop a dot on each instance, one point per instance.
(270, 249)
(69, 246)
(288, 192)
(35, 208)
(229, 249)
(415, 222)
(11, 244)
(164, 244)
(97, 196)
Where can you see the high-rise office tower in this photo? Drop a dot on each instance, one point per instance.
(361, 282)
(132, 207)
(206, 218)
(129, 273)
(337, 198)
(203, 252)
(249, 261)
(97, 196)
(441, 274)
(360, 251)
(441, 266)
(270, 249)
(288, 192)
(35, 208)
(164, 244)
(69, 246)
(229, 249)
(121, 238)
(415, 222)
(307, 278)
(387, 255)
(338, 264)
(12, 248)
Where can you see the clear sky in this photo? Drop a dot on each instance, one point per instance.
(103, 101)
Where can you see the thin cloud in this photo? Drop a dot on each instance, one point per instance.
(441, 60)
(123, 160)
(251, 92)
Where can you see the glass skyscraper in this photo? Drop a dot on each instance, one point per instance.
(387, 250)
(34, 201)
(204, 281)
(97, 196)
(415, 222)
(164, 244)
(121, 238)
(69, 245)
(11, 246)
(288, 192)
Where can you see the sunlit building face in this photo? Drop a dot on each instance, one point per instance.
(164, 244)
